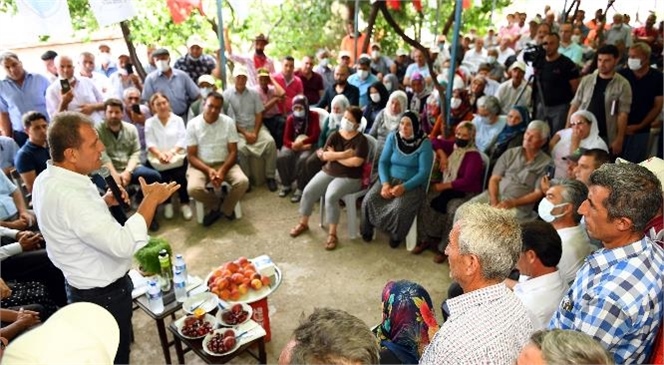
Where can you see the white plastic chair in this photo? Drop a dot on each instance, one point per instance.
(351, 199)
(411, 237)
(200, 208)
(322, 116)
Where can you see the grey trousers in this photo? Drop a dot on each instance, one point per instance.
(334, 188)
(264, 148)
(290, 164)
(556, 116)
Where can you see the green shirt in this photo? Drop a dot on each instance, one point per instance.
(120, 149)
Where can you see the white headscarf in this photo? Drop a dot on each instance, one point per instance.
(562, 148)
(341, 101)
(391, 121)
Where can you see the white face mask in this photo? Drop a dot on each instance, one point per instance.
(205, 91)
(336, 117)
(375, 97)
(162, 65)
(375, 54)
(455, 103)
(298, 113)
(544, 210)
(123, 72)
(491, 59)
(347, 125)
(634, 63)
(576, 39)
(324, 62)
(363, 74)
(388, 85)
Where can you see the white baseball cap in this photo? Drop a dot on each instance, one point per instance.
(240, 71)
(79, 333)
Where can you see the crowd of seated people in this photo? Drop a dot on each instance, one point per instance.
(549, 148)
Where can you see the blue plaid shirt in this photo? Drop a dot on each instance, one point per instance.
(195, 68)
(617, 299)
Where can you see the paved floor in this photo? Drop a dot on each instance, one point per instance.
(350, 278)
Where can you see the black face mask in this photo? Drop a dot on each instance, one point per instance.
(461, 142)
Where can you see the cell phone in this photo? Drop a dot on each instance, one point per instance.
(64, 84)
(130, 68)
(136, 108)
(550, 171)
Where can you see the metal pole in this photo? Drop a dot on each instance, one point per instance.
(222, 45)
(453, 65)
(435, 29)
(356, 30)
(493, 9)
(564, 11)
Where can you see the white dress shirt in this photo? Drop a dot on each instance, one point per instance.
(212, 139)
(85, 92)
(488, 325)
(576, 247)
(84, 240)
(473, 58)
(165, 137)
(11, 249)
(541, 296)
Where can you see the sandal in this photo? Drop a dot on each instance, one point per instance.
(298, 230)
(331, 243)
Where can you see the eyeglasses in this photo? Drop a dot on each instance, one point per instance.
(578, 122)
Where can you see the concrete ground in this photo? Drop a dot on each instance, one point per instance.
(351, 277)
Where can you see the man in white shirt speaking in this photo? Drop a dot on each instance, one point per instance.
(83, 239)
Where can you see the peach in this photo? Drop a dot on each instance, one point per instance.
(265, 280)
(242, 260)
(224, 294)
(256, 284)
(233, 267)
(243, 289)
(237, 278)
(235, 295)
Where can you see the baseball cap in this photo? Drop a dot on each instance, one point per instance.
(240, 71)
(79, 333)
(263, 72)
(160, 52)
(364, 59)
(206, 78)
(375, 45)
(49, 55)
(194, 40)
(518, 64)
(344, 54)
(402, 52)
(576, 155)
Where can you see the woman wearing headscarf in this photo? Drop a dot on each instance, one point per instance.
(583, 132)
(408, 323)
(463, 170)
(391, 83)
(460, 110)
(378, 97)
(388, 119)
(431, 113)
(512, 135)
(300, 137)
(312, 165)
(404, 166)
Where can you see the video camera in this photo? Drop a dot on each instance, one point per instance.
(534, 55)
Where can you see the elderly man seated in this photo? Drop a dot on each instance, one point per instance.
(617, 294)
(541, 286)
(560, 208)
(514, 182)
(488, 321)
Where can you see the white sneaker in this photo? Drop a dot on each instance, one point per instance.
(186, 212)
(168, 211)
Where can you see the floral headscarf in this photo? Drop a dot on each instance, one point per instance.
(408, 322)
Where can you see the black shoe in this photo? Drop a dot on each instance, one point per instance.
(211, 217)
(231, 217)
(154, 226)
(394, 243)
(367, 234)
(272, 184)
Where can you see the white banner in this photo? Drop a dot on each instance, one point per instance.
(46, 17)
(109, 12)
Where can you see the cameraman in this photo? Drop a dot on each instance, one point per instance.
(559, 78)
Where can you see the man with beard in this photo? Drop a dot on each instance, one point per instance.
(341, 86)
(252, 62)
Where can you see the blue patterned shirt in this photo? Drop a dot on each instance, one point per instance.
(617, 299)
(195, 68)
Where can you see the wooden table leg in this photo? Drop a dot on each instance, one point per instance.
(262, 355)
(178, 349)
(161, 329)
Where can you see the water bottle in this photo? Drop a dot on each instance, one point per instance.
(166, 272)
(180, 287)
(155, 300)
(181, 266)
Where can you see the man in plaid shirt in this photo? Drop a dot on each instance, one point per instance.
(617, 295)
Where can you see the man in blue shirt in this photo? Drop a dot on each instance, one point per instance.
(8, 149)
(31, 158)
(617, 294)
(178, 87)
(20, 93)
(363, 79)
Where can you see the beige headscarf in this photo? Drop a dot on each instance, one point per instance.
(455, 159)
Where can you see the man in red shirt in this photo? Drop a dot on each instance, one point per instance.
(290, 83)
(311, 82)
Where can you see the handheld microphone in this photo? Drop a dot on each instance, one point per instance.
(115, 189)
